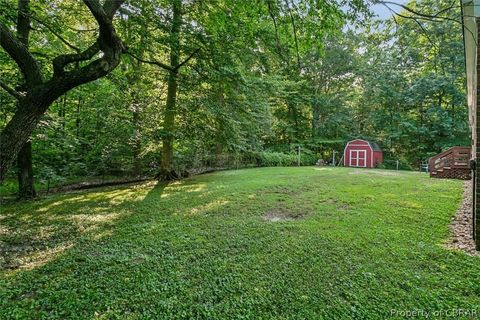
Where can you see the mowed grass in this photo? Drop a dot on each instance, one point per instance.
(268, 243)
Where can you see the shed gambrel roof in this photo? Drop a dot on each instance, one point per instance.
(374, 146)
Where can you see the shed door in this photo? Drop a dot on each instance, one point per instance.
(362, 158)
(358, 158)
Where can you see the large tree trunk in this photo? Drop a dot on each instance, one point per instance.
(16, 133)
(166, 168)
(26, 189)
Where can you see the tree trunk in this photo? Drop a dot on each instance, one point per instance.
(137, 144)
(26, 189)
(315, 118)
(220, 126)
(16, 133)
(166, 168)
(77, 119)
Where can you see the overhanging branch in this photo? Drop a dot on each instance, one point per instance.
(108, 42)
(432, 17)
(20, 54)
(186, 60)
(152, 62)
(61, 61)
(49, 28)
(436, 17)
(11, 91)
(164, 65)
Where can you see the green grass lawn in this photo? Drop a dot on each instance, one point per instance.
(296, 243)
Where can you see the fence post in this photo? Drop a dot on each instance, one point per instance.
(298, 156)
(397, 164)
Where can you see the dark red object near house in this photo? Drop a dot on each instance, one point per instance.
(362, 153)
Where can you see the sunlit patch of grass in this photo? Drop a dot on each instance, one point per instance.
(39, 258)
(261, 243)
(91, 222)
(209, 207)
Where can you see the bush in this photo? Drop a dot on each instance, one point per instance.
(392, 164)
(278, 159)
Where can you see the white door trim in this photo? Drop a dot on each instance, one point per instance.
(358, 157)
(351, 157)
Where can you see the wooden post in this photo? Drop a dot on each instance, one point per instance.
(397, 165)
(334, 157)
(298, 156)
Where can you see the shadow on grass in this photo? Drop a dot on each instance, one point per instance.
(33, 233)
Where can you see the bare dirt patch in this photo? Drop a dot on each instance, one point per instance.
(281, 214)
(462, 224)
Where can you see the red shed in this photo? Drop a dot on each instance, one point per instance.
(362, 153)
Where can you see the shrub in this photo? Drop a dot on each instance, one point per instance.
(278, 159)
(392, 164)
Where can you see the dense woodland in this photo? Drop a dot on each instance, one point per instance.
(159, 88)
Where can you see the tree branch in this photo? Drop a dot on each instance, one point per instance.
(186, 60)
(422, 28)
(294, 32)
(49, 28)
(23, 22)
(152, 62)
(20, 54)
(11, 91)
(424, 16)
(163, 65)
(426, 34)
(272, 16)
(104, 16)
(108, 42)
(61, 61)
(110, 7)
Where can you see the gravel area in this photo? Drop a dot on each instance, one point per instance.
(461, 226)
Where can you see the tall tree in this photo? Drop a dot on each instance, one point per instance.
(38, 93)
